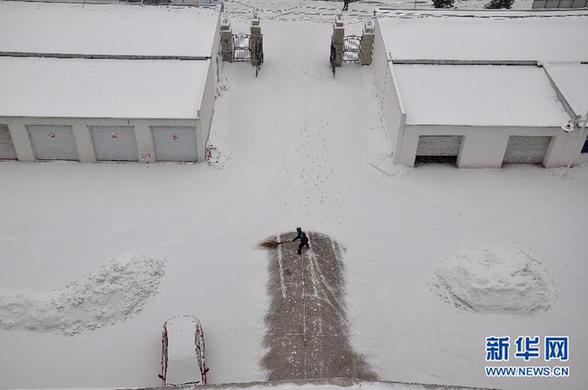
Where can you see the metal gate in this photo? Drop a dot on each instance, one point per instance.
(526, 150)
(174, 143)
(241, 50)
(116, 143)
(7, 151)
(52, 142)
(351, 48)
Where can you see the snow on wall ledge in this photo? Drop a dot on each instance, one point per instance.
(111, 294)
(494, 280)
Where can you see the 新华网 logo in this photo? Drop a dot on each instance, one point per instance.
(526, 349)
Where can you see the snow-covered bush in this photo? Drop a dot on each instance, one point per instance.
(495, 4)
(443, 3)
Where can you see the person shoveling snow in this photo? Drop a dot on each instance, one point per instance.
(303, 240)
(273, 243)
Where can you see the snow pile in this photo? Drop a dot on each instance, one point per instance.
(215, 157)
(113, 293)
(494, 280)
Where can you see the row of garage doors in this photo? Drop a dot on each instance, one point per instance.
(110, 143)
(520, 149)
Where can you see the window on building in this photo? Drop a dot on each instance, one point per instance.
(585, 147)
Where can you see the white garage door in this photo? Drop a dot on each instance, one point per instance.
(438, 145)
(174, 143)
(114, 143)
(53, 142)
(526, 150)
(7, 151)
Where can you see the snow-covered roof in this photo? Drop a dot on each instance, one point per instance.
(116, 29)
(536, 36)
(572, 81)
(49, 87)
(478, 95)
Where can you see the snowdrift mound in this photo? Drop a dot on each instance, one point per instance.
(111, 294)
(494, 280)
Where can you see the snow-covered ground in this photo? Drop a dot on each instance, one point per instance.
(301, 149)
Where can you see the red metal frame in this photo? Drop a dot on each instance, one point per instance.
(199, 332)
(164, 354)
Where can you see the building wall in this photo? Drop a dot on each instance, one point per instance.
(484, 147)
(379, 63)
(393, 114)
(17, 127)
(206, 111)
(142, 127)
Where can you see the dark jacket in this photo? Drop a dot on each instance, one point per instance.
(302, 237)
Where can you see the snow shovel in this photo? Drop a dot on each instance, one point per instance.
(270, 243)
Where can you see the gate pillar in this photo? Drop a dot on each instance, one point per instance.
(227, 41)
(366, 45)
(338, 41)
(256, 43)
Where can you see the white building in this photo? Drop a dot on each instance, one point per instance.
(106, 82)
(485, 89)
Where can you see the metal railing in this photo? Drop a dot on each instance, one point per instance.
(241, 50)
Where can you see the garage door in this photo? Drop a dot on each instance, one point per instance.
(435, 145)
(174, 143)
(53, 142)
(7, 151)
(526, 150)
(114, 143)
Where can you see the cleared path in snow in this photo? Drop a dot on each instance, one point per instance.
(307, 331)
